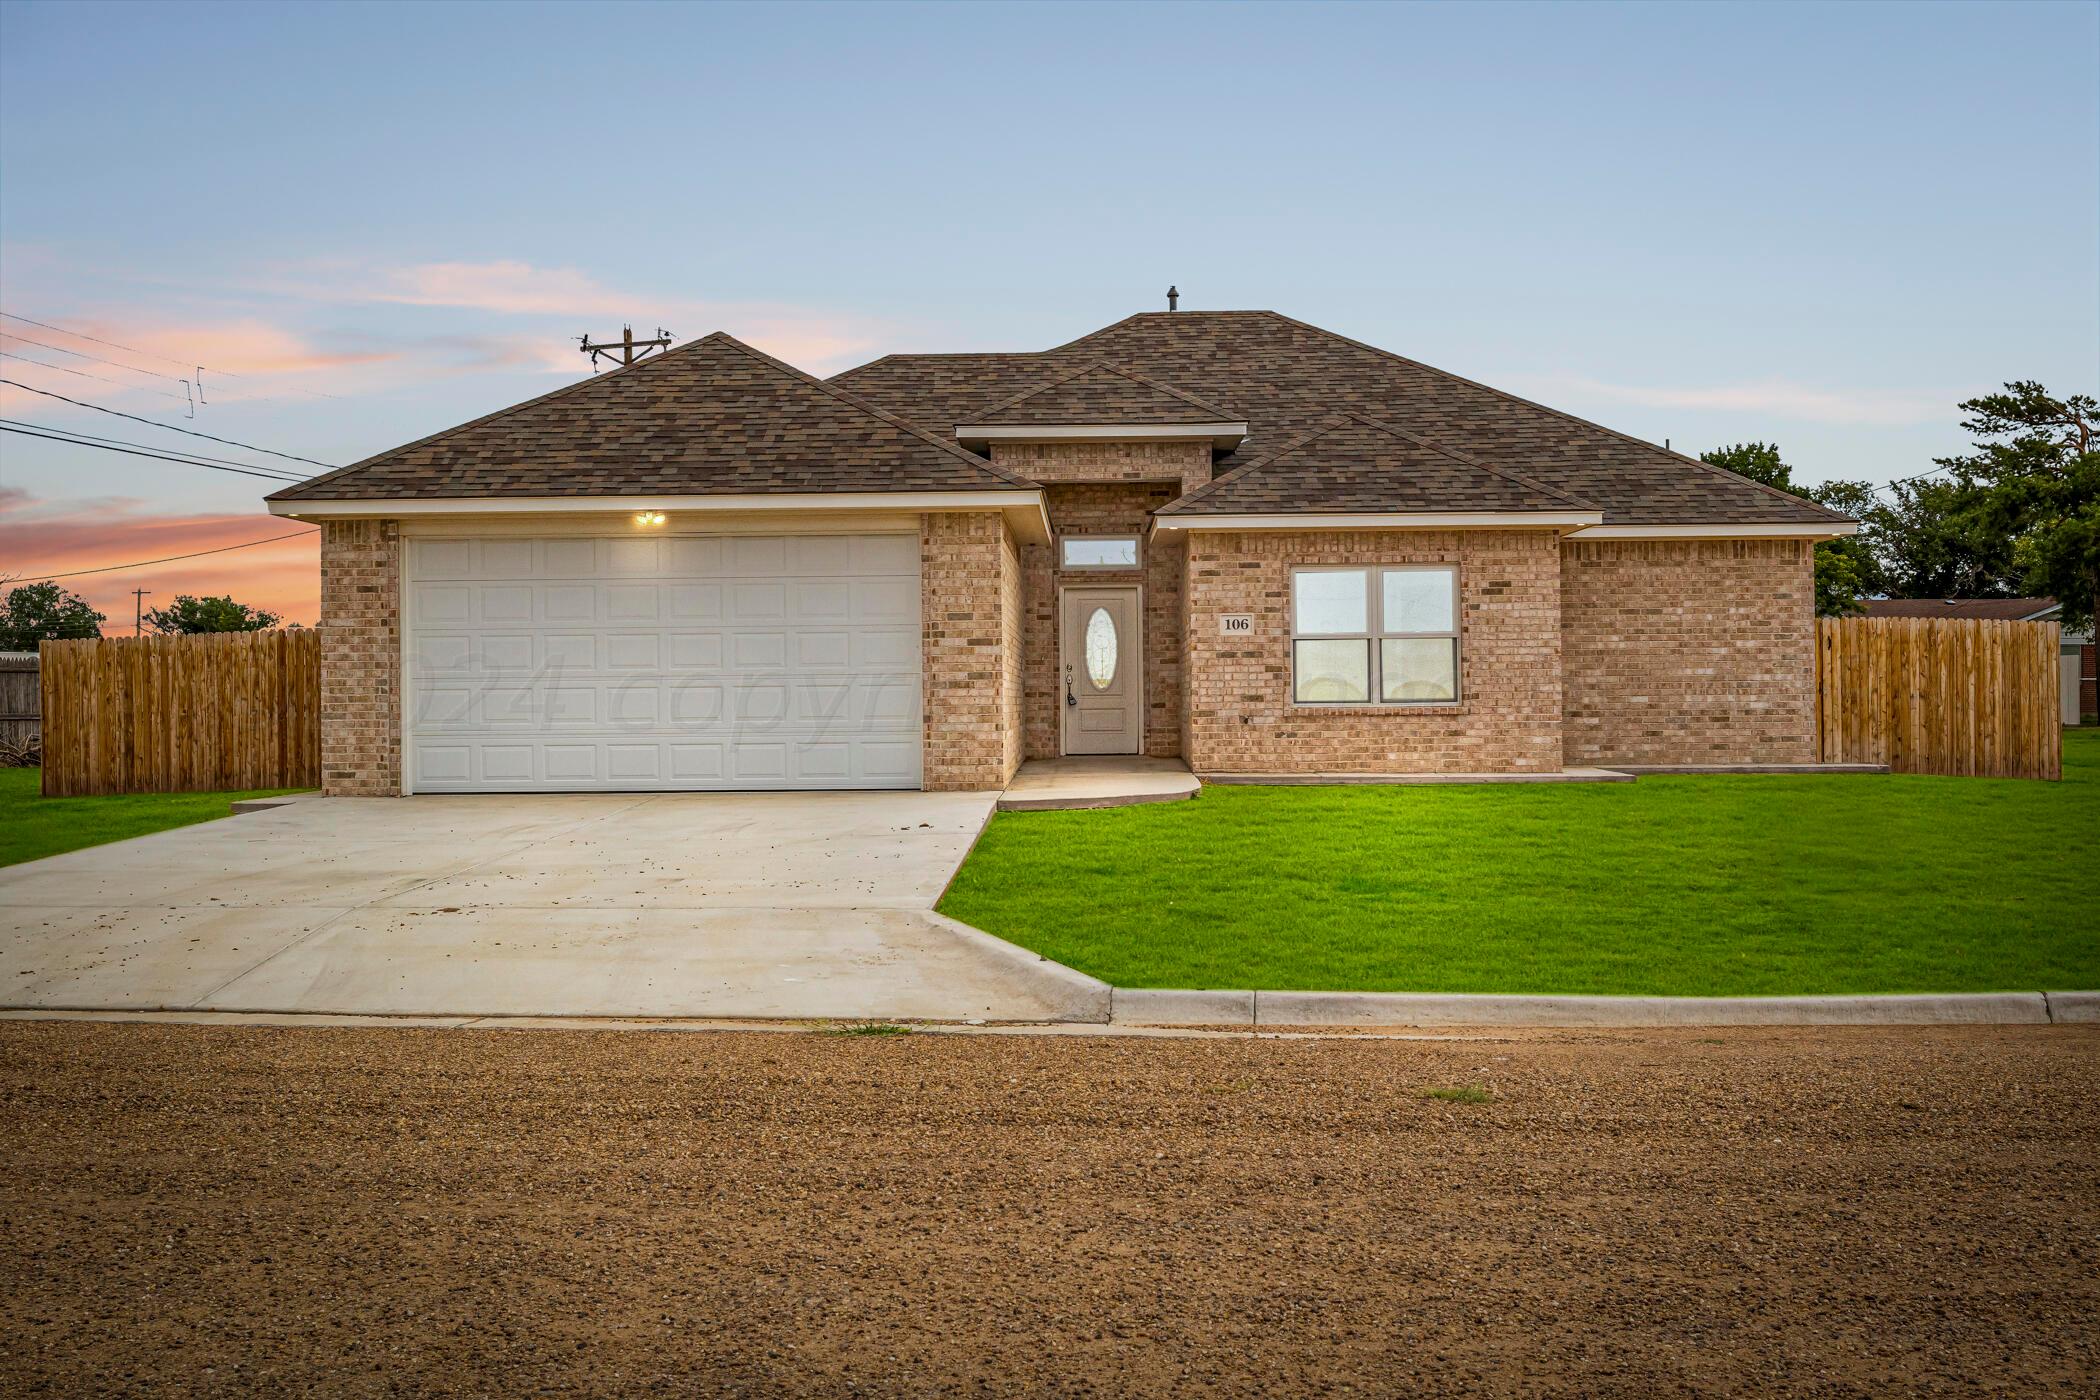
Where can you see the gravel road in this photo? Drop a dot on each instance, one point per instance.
(189, 1210)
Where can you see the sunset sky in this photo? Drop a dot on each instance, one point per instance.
(1818, 226)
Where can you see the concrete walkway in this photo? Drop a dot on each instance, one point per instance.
(758, 905)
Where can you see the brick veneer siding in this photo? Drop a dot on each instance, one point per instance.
(1100, 488)
(1241, 718)
(1187, 463)
(970, 621)
(1688, 651)
(361, 658)
(1102, 510)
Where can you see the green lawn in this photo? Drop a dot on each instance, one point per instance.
(33, 826)
(1747, 885)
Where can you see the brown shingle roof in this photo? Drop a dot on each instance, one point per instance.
(1997, 609)
(1354, 465)
(711, 417)
(1288, 378)
(1100, 393)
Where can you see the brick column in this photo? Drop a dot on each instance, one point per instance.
(361, 658)
(970, 624)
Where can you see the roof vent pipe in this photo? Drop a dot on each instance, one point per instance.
(1173, 299)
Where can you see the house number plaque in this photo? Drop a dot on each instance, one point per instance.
(1236, 625)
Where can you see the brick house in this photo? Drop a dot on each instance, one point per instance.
(1227, 537)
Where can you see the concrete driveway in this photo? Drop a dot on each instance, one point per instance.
(762, 905)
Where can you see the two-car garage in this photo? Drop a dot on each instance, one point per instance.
(650, 662)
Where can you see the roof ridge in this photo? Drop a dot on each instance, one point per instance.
(983, 415)
(1557, 413)
(712, 338)
(1344, 416)
(856, 401)
(505, 412)
(1211, 487)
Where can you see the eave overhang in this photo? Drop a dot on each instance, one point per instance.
(1023, 509)
(1220, 435)
(1387, 520)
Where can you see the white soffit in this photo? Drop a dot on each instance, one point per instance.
(1023, 508)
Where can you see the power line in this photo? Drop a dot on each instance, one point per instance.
(98, 378)
(157, 456)
(151, 423)
(92, 440)
(83, 355)
(151, 355)
(173, 558)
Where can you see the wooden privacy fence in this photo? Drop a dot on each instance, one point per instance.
(1959, 696)
(205, 713)
(19, 712)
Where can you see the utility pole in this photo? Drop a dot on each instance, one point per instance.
(626, 347)
(138, 611)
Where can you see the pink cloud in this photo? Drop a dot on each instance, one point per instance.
(802, 336)
(40, 538)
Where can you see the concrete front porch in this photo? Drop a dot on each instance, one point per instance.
(1114, 780)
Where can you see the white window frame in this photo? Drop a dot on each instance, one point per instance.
(1377, 636)
(1137, 553)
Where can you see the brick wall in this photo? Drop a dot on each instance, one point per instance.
(1186, 463)
(1240, 715)
(1106, 488)
(970, 606)
(361, 658)
(1688, 651)
(1101, 510)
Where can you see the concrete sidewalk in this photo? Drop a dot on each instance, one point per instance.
(739, 905)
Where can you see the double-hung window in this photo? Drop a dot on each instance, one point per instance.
(1374, 636)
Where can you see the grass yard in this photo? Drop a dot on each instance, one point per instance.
(33, 826)
(1692, 886)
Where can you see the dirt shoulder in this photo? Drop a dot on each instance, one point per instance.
(1845, 1212)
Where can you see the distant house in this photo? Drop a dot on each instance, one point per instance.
(2080, 704)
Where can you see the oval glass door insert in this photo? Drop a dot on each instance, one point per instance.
(1101, 649)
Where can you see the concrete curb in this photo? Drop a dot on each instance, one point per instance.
(1139, 1007)
(2073, 1007)
(1073, 995)
(1142, 1006)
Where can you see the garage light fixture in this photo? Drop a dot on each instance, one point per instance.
(649, 517)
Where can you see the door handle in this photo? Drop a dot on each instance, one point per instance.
(1070, 698)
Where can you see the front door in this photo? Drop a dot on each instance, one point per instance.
(1102, 671)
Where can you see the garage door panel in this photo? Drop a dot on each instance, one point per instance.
(718, 662)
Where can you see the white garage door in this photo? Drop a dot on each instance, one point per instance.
(734, 661)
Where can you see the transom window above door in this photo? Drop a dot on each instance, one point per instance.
(1098, 551)
(1362, 636)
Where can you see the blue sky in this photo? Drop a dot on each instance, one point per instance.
(1816, 225)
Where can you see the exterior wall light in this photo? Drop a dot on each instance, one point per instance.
(649, 517)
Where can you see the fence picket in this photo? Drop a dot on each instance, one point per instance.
(1939, 695)
(181, 714)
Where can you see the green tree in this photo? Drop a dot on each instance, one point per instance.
(44, 612)
(2034, 483)
(187, 614)
(1847, 568)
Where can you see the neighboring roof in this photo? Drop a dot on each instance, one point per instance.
(1099, 393)
(1996, 609)
(710, 417)
(1286, 379)
(1354, 466)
